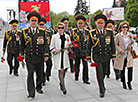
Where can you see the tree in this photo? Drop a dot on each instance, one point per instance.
(132, 12)
(93, 15)
(123, 4)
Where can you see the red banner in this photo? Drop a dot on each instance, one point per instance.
(41, 7)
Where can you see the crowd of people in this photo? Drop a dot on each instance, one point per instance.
(66, 48)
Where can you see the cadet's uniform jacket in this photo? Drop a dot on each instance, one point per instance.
(81, 38)
(103, 45)
(13, 41)
(34, 45)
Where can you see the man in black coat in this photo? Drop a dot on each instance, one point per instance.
(35, 47)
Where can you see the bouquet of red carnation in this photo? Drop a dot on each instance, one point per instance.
(20, 59)
(2, 59)
(93, 64)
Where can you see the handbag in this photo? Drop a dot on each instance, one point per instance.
(133, 53)
(71, 54)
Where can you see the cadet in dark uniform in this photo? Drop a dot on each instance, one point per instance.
(65, 20)
(42, 23)
(110, 24)
(102, 42)
(12, 41)
(35, 46)
(81, 35)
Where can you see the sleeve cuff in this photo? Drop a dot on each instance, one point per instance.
(88, 57)
(4, 49)
(46, 54)
(113, 55)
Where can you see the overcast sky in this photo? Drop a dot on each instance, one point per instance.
(57, 6)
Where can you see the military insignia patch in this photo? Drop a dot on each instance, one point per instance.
(108, 40)
(17, 37)
(40, 40)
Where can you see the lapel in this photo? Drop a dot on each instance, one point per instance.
(30, 33)
(58, 41)
(122, 39)
(104, 33)
(97, 33)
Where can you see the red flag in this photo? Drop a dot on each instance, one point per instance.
(41, 7)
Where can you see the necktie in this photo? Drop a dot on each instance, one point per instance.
(33, 31)
(101, 32)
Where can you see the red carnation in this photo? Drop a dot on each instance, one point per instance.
(2, 59)
(137, 37)
(73, 42)
(67, 39)
(20, 59)
(76, 45)
(130, 37)
(93, 64)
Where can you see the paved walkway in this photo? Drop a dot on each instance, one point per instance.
(13, 89)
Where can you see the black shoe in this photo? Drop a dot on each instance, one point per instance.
(43, 84)
(47, 78)
(64, 92)
(30, 96)
(40, 91)
(124, 85)
(72, 71)
(117, 77)
(10, 72)
(76, 78)
(108, 76)
(86, 82)
(129, 85)
(16, 74)
(101, 95)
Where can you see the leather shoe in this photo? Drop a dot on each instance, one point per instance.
(47, 78)
(117, 77)
(124, 85)
(64, 92)
(108, 76)
(43, 83)
(10, 72)
(76, 78)
(30, 96)
(40, 91)
(101, 95)
(129, 85)
(16, 74)
(86, 82)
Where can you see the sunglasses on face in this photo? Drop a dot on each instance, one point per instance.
(41, 24)
(109, 26)
(80, 23)
(60, 27)
(100, 23)
(124, 27)
(14, 26)
(34, 20)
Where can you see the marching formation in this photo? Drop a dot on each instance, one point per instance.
(65, 47)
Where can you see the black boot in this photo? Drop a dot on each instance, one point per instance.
(129, 85)
(124, 85)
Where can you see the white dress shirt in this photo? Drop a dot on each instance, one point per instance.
(34, 29)
(126, 39)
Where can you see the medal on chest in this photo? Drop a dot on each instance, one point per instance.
(40, 40)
